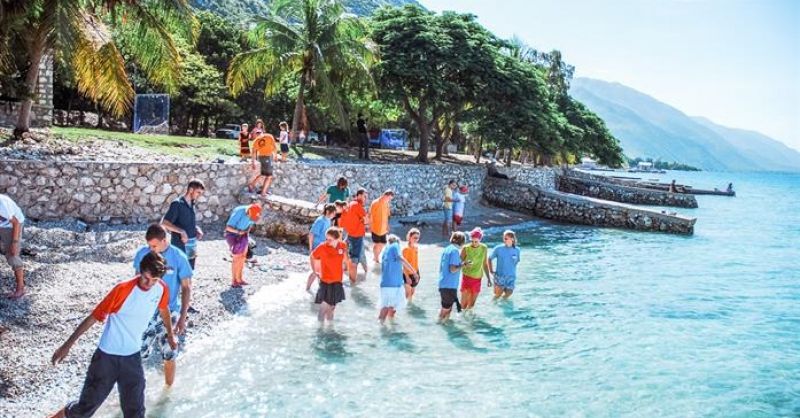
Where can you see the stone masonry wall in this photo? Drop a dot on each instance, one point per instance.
(42, 109)
(583, 210)
(542, 177)
(117, 192)
(625, 194)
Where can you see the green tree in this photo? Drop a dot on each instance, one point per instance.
(303, 42)
(436, 66)
(78, 32)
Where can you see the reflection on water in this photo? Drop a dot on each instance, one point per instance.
(602, 323)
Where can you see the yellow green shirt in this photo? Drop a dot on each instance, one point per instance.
(476, 255)
(448, 194)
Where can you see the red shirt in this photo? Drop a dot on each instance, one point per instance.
(331, 259)
(352, 220)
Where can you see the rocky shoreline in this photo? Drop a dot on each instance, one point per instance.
(74, 267)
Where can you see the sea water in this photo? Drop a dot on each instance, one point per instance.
(603, 323)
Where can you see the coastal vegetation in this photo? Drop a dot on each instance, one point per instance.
(444, 77)
(662, 165)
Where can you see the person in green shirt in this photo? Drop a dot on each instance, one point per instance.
(476, 262)
(339, 191)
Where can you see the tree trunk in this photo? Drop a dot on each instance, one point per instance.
(35, 54)
(299, 106)
(479, 151)
(195, 122)
(509, 154)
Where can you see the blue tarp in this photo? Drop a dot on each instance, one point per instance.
(391, 139)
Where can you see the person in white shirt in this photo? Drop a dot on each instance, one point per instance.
(11, 221)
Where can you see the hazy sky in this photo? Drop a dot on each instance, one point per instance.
(736, 62)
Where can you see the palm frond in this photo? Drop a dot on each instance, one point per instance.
(248, 67)
(100, 75)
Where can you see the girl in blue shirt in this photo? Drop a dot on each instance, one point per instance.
(507, 255)
(393, 293)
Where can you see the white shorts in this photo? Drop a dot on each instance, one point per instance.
(393, 297)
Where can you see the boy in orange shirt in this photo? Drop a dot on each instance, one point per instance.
(411, 254)
(265, 151)
(379, 212)
(354, 221)
(328, 258)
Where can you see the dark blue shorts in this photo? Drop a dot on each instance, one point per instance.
(355, 245)
(105, 371)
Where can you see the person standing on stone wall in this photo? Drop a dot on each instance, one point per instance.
(181, 221)
(265, 151)
(244, 143)
(11, 220)
(363, 138)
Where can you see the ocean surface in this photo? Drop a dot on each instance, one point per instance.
(604, 323)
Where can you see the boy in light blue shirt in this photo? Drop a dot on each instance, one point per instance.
(507, 255)
(317, 235)
(449, 275)
(178, 279)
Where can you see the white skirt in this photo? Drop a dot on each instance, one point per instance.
(393, 297)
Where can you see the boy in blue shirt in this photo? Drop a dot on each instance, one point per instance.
(178, 279)
(317, 235)
(507, 256)
(449, 275)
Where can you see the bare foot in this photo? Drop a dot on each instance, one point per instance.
(243, 283)
(17, 294)
(236, 285)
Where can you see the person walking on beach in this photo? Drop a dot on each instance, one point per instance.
(393, 294)
(181, 220)
(507, 255)
(316, 236)
(363, 138)
(178, 279)
(449, 274)
(354, 221)
(126, 310)
(379, 212)
(338, 191)
(447, 208)
(476, 263)
(11, 221)
(411, 254)
(284, 140)
(265, 152)
(459, 203)
(244, 143)
(326, 264)
(237, 231)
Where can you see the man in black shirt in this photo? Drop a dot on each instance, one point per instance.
(363, 138)
(181, 220)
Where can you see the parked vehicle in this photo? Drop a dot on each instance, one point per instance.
(229, 131)
(390, 139)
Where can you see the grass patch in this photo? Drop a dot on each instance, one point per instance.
(183, 146)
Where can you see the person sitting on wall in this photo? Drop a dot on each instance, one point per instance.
(493, 172)
(730, 188)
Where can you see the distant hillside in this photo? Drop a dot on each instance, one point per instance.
(649, 128)
(244, 9)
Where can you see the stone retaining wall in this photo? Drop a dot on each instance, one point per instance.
(542, 177)
(564, 207)
(625, 194)
(42, 108)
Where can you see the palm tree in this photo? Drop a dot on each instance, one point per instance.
(78, 33)
(309, 41)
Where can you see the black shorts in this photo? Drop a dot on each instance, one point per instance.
(378, 239)
(105, 370)
(266, 166)
(409, 279)
(284, 147)
(449, 297)
(330, 293)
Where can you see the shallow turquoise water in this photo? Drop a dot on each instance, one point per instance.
(603, 323)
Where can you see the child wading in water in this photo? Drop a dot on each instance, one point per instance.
(393, 295)
(476, 263)
(449, 268)
(411, 254)
(316, 236)
(237, 229)
(328, 258)
(284, 140)
(507, 255)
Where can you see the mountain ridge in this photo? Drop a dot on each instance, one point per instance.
(647, 127)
